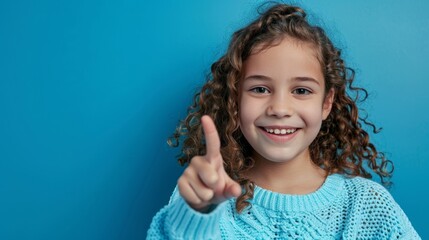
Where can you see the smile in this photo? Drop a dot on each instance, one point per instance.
(281, 131)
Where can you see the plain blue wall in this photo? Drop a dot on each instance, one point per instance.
(90, 91)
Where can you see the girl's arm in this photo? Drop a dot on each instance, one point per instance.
(178, 220)
(377, 215)
(203, 187)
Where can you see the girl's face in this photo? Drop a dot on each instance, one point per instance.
(282, 100)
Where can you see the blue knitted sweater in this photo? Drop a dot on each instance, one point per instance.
(342, 208)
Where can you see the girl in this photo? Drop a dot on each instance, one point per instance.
(275, 145)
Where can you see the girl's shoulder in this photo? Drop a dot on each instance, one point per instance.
(364, 188)
(367, 192)
(373, 204)
(371, 200)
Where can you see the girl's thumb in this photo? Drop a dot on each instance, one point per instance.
(232, 189)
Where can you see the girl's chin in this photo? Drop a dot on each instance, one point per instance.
(277, 156)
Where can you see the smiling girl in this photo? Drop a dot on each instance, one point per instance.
(275, 147)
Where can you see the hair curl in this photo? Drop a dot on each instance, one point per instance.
(342, 145)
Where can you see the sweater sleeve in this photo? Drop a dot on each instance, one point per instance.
(178, 220)
(379, 216)
(405, 228)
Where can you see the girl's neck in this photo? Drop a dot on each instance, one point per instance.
(296, 176)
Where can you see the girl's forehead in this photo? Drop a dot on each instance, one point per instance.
(288, 52)
(308, 46)
(265, 45)
(286, 60)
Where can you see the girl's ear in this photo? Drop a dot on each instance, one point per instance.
(327, 104)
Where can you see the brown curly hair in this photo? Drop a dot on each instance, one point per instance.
(342, 145)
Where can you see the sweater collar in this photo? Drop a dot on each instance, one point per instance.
(323, 196)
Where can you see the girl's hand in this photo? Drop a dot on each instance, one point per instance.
(204, 182)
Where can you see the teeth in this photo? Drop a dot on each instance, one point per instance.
(281, 131)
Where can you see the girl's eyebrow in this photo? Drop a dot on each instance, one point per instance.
(306, 79)
(266, 78)
(257, 77)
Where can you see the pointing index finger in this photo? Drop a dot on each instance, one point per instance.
(212, 137)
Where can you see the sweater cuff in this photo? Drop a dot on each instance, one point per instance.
(183, 222)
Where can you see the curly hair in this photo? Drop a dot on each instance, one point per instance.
(341, 146)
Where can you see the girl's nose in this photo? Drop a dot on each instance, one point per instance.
(280, 106)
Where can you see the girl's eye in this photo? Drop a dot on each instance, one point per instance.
(260, 90)
(301, 91)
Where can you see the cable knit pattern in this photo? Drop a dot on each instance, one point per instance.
(343, 208)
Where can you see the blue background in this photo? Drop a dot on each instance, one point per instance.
(90, 91)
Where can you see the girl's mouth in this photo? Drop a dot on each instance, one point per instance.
(280, 131)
